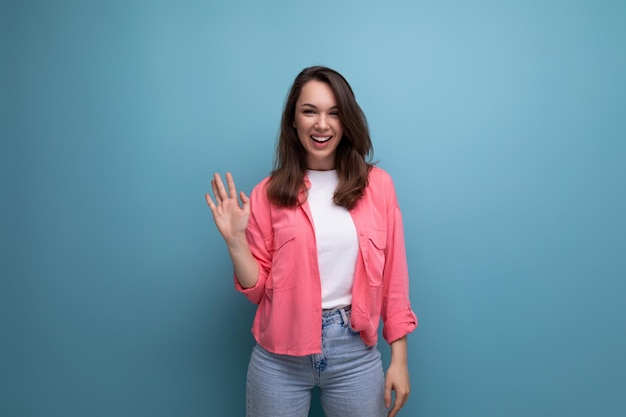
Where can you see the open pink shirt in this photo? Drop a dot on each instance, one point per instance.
(289, 316)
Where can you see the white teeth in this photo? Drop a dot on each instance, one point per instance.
(321, 139)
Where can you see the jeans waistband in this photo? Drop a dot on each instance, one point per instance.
(336, 315)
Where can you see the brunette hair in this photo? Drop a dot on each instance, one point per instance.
(353, 153)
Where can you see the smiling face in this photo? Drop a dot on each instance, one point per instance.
(318, 125)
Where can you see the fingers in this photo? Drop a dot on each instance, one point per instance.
(221, 194)
(400, 388)
(231, 185)
(394, 410)
(219, 189)
(209, 201)
(400, 400)
(397, 405)
(387, 395)
(216, 192)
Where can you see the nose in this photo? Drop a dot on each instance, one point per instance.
(322, 123)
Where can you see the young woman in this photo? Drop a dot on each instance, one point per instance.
(319, 246)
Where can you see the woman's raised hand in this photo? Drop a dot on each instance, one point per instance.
(230, 218)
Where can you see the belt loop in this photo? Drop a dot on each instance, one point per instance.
(344, 316)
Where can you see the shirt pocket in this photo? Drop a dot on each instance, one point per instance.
(281, 276)
(375, 259)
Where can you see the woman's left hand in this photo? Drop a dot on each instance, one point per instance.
(397, 378)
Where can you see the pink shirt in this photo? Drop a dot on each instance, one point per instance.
(288, 292)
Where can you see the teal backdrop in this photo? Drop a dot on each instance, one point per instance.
(503, 124)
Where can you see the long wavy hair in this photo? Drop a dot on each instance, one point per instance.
(353, 153)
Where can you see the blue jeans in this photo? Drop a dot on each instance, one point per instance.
(348, 373)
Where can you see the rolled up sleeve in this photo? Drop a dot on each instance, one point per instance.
(259, 235)
(398, 317)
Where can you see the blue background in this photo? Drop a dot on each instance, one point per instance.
(503, 124)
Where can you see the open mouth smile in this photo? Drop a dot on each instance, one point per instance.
(321, 139)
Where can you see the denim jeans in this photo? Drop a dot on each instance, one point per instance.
(348, 373)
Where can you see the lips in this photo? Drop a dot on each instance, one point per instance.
(321, 139)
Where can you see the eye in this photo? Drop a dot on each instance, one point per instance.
(308, 111)
(334, 113)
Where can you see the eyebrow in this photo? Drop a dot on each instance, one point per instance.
(315, 107)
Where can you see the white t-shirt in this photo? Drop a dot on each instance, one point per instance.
(336, 238)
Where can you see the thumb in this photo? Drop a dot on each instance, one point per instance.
(245, 201)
